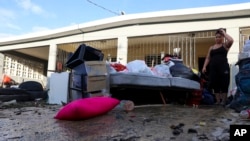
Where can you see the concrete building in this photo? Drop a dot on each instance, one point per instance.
(145, 36)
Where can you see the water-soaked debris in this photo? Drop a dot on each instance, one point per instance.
(163, 123)
(177, 126)
(119, 116)
(190, 130)
(149, 135)
(13, 138)
(221, 134)
(131, 138)
(8, 103)
(128, 134)
(145, 120)
(202, 123)
(63, 103)
(114, 138)
(131, 120)
(226, 130)
(172, 138)
(212, 119)
(17, 112)
(202, 137)
(223, 137)
(177, 129)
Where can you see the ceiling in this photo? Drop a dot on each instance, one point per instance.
(43, 52)
(38, 52)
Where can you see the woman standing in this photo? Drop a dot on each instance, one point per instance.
(219, 71)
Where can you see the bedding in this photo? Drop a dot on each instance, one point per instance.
(120, 79)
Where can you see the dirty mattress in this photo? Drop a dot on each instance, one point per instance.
(123, 79)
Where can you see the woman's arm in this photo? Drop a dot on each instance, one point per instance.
(229, 39)
(204, 69)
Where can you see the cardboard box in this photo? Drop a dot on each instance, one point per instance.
(94, 68)
(96, 83)
(91, 76)
(91, 68)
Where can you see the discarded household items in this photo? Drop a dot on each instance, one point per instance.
(58, 88)
(35, 90)
(180, 70)
(8, 103)
(87, 77)
(89, 72)
(242, 97)
(26, 91)
(7, 81)
(245, 114)
(137, 77)
(125, 105)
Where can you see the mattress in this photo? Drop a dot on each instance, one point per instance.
(121, 79)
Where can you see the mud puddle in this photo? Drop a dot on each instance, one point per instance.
(29, 122)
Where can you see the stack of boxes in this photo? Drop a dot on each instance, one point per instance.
(89, 73)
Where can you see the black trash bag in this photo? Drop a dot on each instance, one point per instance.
(180, 70)
(31, 86)
(34, 89)
(242, 80)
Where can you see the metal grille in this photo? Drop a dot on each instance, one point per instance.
(17, 66)
(108, 48)
(152, 48)
(187, 48)
(62, 56)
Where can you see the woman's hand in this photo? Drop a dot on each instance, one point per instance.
(204, 70)
(222, 31)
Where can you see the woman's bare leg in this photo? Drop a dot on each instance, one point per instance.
(217, 97)
(224, 98)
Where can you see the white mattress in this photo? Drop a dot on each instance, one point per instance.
(140, 79)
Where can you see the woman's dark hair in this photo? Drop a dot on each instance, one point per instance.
(218, 31)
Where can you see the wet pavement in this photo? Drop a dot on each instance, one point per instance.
(35, 122)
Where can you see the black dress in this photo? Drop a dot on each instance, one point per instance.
(219, 71)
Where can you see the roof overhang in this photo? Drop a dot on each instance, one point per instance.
(181, 15)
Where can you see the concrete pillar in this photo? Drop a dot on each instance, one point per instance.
(233, 54)
(52, 59)
(1, 63)
(234, 50)
(122, 50)
(51, 63)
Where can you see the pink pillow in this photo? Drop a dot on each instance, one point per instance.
(86, 108)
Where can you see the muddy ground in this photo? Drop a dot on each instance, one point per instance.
(30, 121)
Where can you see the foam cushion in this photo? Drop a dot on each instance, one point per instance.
(86, 108)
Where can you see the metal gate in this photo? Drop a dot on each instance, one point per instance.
(184, 47)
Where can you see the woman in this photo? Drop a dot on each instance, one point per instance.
(219, 72)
